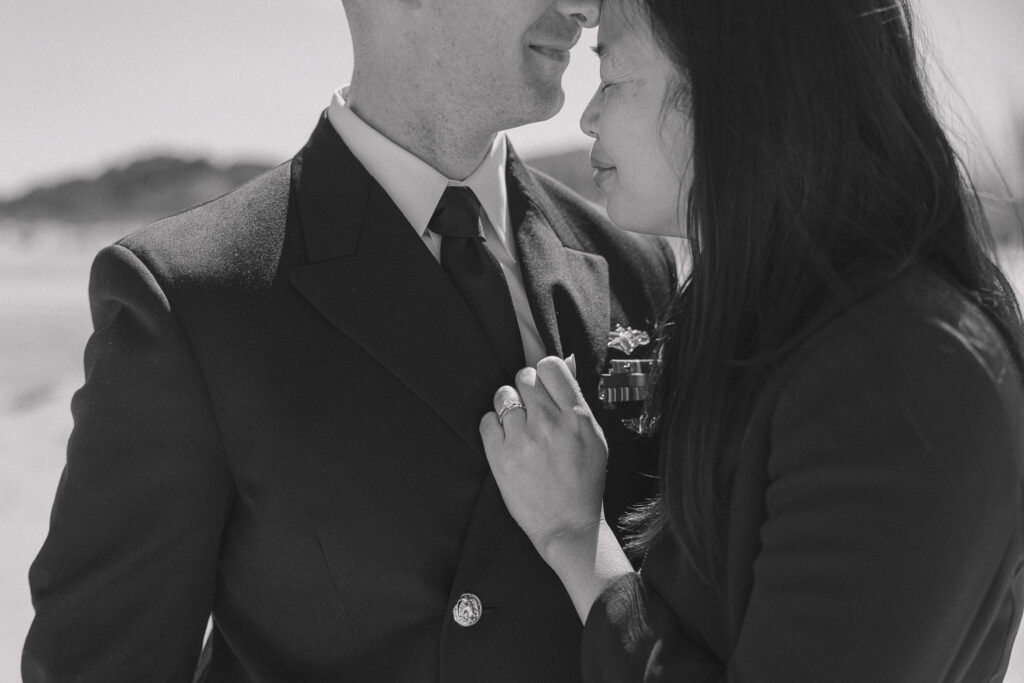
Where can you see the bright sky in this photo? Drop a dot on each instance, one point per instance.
(88, 83)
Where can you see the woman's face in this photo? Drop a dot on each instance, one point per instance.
(642, 142)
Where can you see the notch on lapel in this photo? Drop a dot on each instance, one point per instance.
(372, 277)
(567, 288)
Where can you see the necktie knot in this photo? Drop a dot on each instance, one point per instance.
(457, 214)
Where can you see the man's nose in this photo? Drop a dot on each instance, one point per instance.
(585, 12)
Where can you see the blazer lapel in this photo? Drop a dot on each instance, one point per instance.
(372, 277)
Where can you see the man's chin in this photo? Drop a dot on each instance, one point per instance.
(529, 103)
(545, 104)
(554, 106)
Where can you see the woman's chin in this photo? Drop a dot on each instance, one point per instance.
(632, 217)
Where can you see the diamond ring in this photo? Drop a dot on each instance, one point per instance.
(509, 404)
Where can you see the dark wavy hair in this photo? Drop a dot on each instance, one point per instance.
(819, 168)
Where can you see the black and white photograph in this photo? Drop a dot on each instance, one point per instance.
(512, 341)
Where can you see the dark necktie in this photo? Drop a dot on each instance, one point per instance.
(477, 273)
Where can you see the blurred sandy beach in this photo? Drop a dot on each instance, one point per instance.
(44, 324)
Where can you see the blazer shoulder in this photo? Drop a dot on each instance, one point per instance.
(237, 234)
(915, 363)
(920, 315)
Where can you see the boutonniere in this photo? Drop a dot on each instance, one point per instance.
(627, 382)
(627, 340)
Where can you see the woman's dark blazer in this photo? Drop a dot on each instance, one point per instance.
(873, 532)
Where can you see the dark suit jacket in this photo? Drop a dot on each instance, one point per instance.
(280, 425)
(874, 531)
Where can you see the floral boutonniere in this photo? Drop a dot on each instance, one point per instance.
(627, 382)
(627, 340)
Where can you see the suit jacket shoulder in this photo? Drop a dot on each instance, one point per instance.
(238, 237)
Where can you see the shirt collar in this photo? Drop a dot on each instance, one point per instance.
(414, 185)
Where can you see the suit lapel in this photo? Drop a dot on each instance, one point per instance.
(567, 288)
(372, 277)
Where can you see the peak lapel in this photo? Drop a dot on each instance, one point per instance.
(372, 277)
(567, 288)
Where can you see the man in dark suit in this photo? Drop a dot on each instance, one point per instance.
(278, 426)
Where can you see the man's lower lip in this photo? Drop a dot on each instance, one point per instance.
(602, 174)
(551, 53)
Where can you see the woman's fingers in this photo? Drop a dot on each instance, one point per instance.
(555, 376)
(533, 394)
(492, 434)
(540, 397)
(509, 408)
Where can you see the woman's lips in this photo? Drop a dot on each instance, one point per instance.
(603, 173)
(599, 163)
(603, 168)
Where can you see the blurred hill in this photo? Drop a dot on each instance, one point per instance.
(150, 188)
(146, 189)
(138, 192)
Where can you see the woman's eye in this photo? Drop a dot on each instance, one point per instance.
(605, 86)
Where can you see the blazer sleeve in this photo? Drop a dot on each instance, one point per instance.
(123, 585)
(892, 529)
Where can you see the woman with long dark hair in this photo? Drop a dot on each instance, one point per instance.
(839, 410)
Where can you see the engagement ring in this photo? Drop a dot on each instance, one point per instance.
(509, 404)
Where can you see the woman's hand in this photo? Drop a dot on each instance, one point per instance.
(548, 457)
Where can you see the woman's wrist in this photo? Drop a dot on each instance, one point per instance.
(586, 559)
(558, 545)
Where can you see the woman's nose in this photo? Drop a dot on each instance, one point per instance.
(591, 115)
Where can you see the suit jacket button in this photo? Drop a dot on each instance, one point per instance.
(467, 610)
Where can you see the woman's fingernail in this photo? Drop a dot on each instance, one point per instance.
(571, 362)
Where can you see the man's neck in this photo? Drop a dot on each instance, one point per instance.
(418, 122)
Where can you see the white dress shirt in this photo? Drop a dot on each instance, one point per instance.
(416, 187)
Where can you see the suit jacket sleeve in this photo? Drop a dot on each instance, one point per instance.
(124, 583)
(892, 523)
